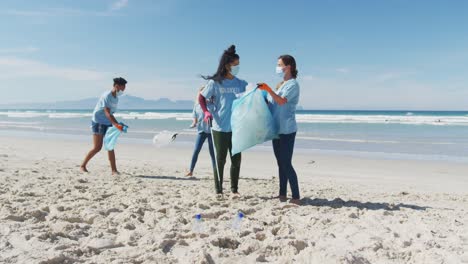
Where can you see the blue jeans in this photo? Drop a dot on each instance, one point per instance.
(283, 148)
(198, 146)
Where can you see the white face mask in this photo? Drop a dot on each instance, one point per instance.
(279, 71)
(235, 70)
(120, 93)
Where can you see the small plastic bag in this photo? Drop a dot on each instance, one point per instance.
(112, 134)
(164, 138)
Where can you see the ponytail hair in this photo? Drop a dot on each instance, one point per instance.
(289, 60)
(228, 57)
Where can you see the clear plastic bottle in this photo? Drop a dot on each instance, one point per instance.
(198, 226)
(237, 222)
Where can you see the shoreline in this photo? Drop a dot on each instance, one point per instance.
(262, 164)
(189, 139)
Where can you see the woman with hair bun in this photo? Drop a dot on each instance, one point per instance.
(223, 88)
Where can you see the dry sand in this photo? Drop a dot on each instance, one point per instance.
(354, 210)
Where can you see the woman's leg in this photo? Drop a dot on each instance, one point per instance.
(111, 155)
(287, 149)
(235, 166)
(97, 146)
(221, 146)
(211, 148)
(283, 180)
(198, 146)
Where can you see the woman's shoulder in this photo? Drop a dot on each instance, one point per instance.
(209, 86)
(210, 83)
(291, 83)
(241, 82)
(107, 95)
(294, 81)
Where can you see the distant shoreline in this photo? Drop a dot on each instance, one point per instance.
(465, 112)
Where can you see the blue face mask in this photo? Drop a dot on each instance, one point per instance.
(279, 71)
(235, 70)
(120, 93)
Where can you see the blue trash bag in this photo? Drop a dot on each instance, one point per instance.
(251, 121)
(112, 134)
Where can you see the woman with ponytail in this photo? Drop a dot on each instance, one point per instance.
(284, 102)
(223, 88)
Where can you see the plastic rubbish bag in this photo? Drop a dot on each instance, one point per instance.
(251, 121)
(164, 138)
(112, 134)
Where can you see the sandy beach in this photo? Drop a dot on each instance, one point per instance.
(354, 211)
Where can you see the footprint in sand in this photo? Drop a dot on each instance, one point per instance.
(167, 245)
(83, 181)
(203, 206)
(299, 245)
(214, 203)
(353, 259)
(248, 211)
(214, 214)
(464, 240)
(226, 243)
(15, 218)
(81, 188)
(281, 231)
(260, 236)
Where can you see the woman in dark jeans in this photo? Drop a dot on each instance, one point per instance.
(284, 102)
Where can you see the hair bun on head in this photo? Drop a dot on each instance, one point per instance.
(231, 50)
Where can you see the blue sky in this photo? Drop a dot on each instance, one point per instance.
(393, 54)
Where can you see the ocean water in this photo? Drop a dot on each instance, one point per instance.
(420, 135)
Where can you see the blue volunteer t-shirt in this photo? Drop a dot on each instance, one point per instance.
(199, 115)
(285, 115)
(106, 100)
(223, 95)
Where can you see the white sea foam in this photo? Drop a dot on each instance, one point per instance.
(406, 119)
(384, 119)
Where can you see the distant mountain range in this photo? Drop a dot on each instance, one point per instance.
(125, 102)
(128, 102)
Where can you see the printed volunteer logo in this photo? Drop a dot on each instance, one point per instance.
(233, 90)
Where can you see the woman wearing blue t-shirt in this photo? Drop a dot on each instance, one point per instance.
(203, 133)
(284, 102)
(223, 88)
(103, 118)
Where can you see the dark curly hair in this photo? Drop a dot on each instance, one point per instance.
(120, 81)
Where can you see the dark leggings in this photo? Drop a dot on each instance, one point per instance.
(223, 143)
